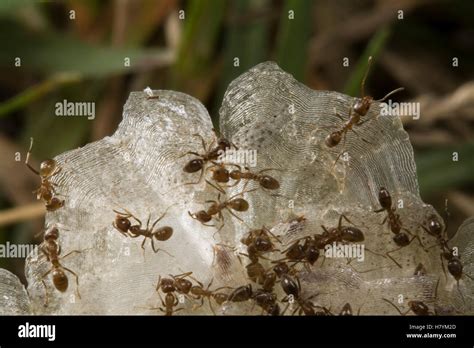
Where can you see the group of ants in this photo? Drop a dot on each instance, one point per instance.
(303, 251)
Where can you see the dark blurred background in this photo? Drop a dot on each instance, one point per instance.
(81, 55)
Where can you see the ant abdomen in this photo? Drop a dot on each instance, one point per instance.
(401, 239)
(54, 204)
(269, 183)
(203, 216)
(239, 204)
(193, 166)
(352, 234)
(164, 233)
(455, 268)
(385, 199)
(333, 139)
(60, 280)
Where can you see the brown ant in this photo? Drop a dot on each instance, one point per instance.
(455, 266)
(199, 293)
(416, 306)
(241, 294)
(52, 251)
(169, 304)
(216, 208)
(177, 283)
(395, 224)
(46, 191)
(267, 301)
(123, 224)
(210, 154)
(265, 181)
(292, 290)
(359, 109)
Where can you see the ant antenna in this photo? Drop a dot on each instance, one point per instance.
(362, 85)
(389, 94)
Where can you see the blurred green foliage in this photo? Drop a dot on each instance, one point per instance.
(83, 60)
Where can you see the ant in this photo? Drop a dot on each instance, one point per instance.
(123, 224)
(267, 301)
(52, 251)
(258, 242)
(455, 267)
(46, 191)
(169, 304)
(292, 290)
(200, 293)
(359, 109)
(216, 208)
(177, 283)
(395, 224)
(265, 181)
(241, 294)
(211, 154)
(416, 306)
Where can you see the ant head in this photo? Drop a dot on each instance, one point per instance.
(263, 244)
(362, 105)
(312, 254)
(54, 204)
(418, 307)
(183, 285)
(193, 165)
(51, 234)
(167, 285)
(47, 168)
(239, 204)
(333, 139)
(60, 280)
(122, 223)
(223, 144)
(346, 309)
(203, 216)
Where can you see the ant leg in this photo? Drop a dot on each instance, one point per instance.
(216, 186)
(345, 218)
(202, 141)
(69, 253)
(46, 298)
(28, 158)
(190, 153)
(77, 281)
(162, 216)
(379, 210)
(398, 309)
(391, 258)
(443, 267)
